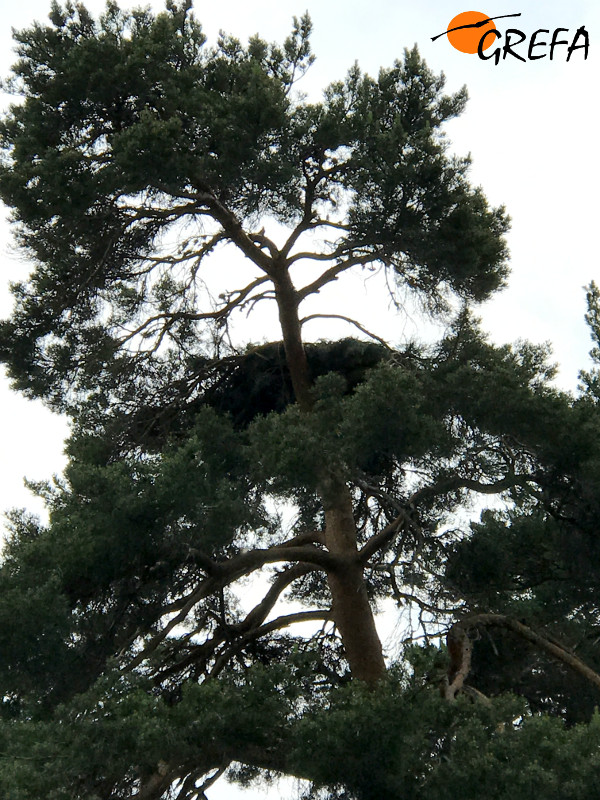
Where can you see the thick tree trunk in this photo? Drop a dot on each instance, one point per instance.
(352, 610)
(287, 304)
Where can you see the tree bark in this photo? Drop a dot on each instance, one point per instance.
(287, 304)
(351, 608)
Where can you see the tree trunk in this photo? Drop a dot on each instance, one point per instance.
(351, 608)
(287, 304)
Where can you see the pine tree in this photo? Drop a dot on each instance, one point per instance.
(218, 492)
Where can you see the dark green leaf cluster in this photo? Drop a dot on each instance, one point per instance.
(537, 561)
(400, 742)
(121, 540)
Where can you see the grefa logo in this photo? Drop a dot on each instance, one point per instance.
(475, 32)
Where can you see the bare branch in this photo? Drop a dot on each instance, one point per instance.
(192, 599)
(188, 255)
(307, 255)
(274, 625)
(308, 224)
(225, 573)
(233, 228)
(319, 223)
(247, 562)
(260, 612)
(263, 241)
(384, 537)
(307, 537)
(303, 226)
(380, 494)
(459, 633)
(169, 318)
(286, 620)
(252, 621)
(351, 322)
(454, 484)
(400, 596)
(460, 650)
(168, 213)
(211, 780)
(331, 275)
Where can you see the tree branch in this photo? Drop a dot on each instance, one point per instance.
(351, 322)
(331, 275)
(384, 537)
(460, 650)
(171, 317)
(339, 252)
(225, 573)
(459, 633)
(210, 781)
(158, 783)
(303, 226)
(453, 484)
(263, 241)
(233, 228)
(319, 223)
(252, 620)
(381, 539)
(277, 624)
(260, 612)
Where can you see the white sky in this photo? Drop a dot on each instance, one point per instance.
(531, 129)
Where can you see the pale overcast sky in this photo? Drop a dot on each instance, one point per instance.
(530, 127)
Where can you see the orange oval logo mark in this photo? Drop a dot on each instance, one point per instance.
(466, 29)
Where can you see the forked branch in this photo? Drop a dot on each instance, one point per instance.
(224, 573)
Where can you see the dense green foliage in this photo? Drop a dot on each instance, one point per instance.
(148, 632)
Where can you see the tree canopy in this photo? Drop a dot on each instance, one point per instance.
(203, 598)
